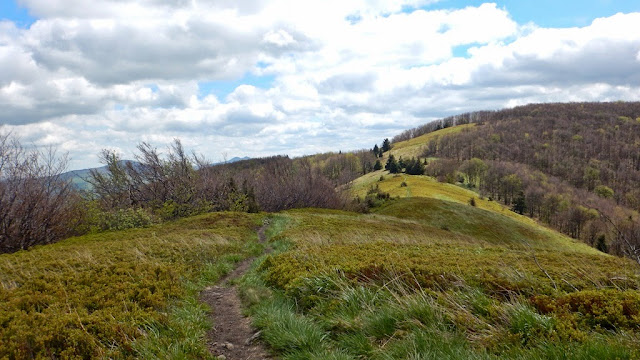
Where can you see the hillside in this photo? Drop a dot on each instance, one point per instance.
(428, 273)
(457, 263)
(119, 294)
(575, 167)
(584, 144)
(425, 278)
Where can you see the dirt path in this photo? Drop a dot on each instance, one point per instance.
(232, 336)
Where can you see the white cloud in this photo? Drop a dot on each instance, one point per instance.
(110, 73)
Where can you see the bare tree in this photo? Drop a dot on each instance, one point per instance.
(113, 187)
(36, 205)
(152, 181)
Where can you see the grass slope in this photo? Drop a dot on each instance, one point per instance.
(119, 294)
(426, 275)
(425, 186)
(415, 147)
(348, 286)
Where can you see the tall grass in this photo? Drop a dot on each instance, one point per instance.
(340, 289)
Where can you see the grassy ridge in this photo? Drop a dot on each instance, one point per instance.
(374, 246)
(417, 187)
(380, 287)
(415, 147)
(426, 186)
(109, 295)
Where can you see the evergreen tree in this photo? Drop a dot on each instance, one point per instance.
(392, 165)
(376, 150)
(414, 167)
(377, 166)
(386, 145)
(601, 244)
(519, 204)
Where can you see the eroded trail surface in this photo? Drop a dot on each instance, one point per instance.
(232, 336)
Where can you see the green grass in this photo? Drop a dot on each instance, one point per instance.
(426, 186)
(386, 287)
(481, 224)
(119, 294)
(415, 147)
(428, 276)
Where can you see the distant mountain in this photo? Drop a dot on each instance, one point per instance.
(79, 177)
(232, 160)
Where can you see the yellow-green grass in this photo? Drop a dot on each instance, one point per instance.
(379, 285)
(482, 224)
(415, 147)
(377, 246)
(419, 186)
(102, 295)
(424, 186)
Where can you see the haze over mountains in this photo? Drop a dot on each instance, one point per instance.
(79, 177)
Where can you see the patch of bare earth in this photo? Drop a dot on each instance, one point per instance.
(232, 336)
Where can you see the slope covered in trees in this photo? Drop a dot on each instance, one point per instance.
(574, 166)
(587, 144)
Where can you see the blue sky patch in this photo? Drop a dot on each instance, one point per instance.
(10, 10)
(462, 51)
(551, 13)
(222, 88)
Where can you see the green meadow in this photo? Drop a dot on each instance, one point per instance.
(434, 271)
(428, 276)
(121, 294)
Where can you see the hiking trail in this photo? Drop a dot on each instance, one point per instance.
(232, 336)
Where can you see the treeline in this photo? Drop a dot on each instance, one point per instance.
(589, 145)
(455, 120)
(37, 206)
(593, 218)
(574, 166)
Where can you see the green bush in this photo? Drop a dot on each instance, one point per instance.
(171, 210)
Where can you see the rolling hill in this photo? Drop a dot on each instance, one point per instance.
(463, 262)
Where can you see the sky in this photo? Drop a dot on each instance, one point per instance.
(258, 78)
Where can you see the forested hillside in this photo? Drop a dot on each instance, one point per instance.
(575, 166)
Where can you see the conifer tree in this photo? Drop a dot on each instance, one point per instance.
(377, 166)
(386, 145)
(392, 165)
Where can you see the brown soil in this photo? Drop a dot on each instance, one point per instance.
(232, 336)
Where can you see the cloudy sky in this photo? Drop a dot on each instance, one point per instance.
(261, 77)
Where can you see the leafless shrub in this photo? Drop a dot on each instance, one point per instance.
(36, 205)
(153, 180)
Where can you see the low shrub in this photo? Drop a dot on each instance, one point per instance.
(595, 309)
(97, 295)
